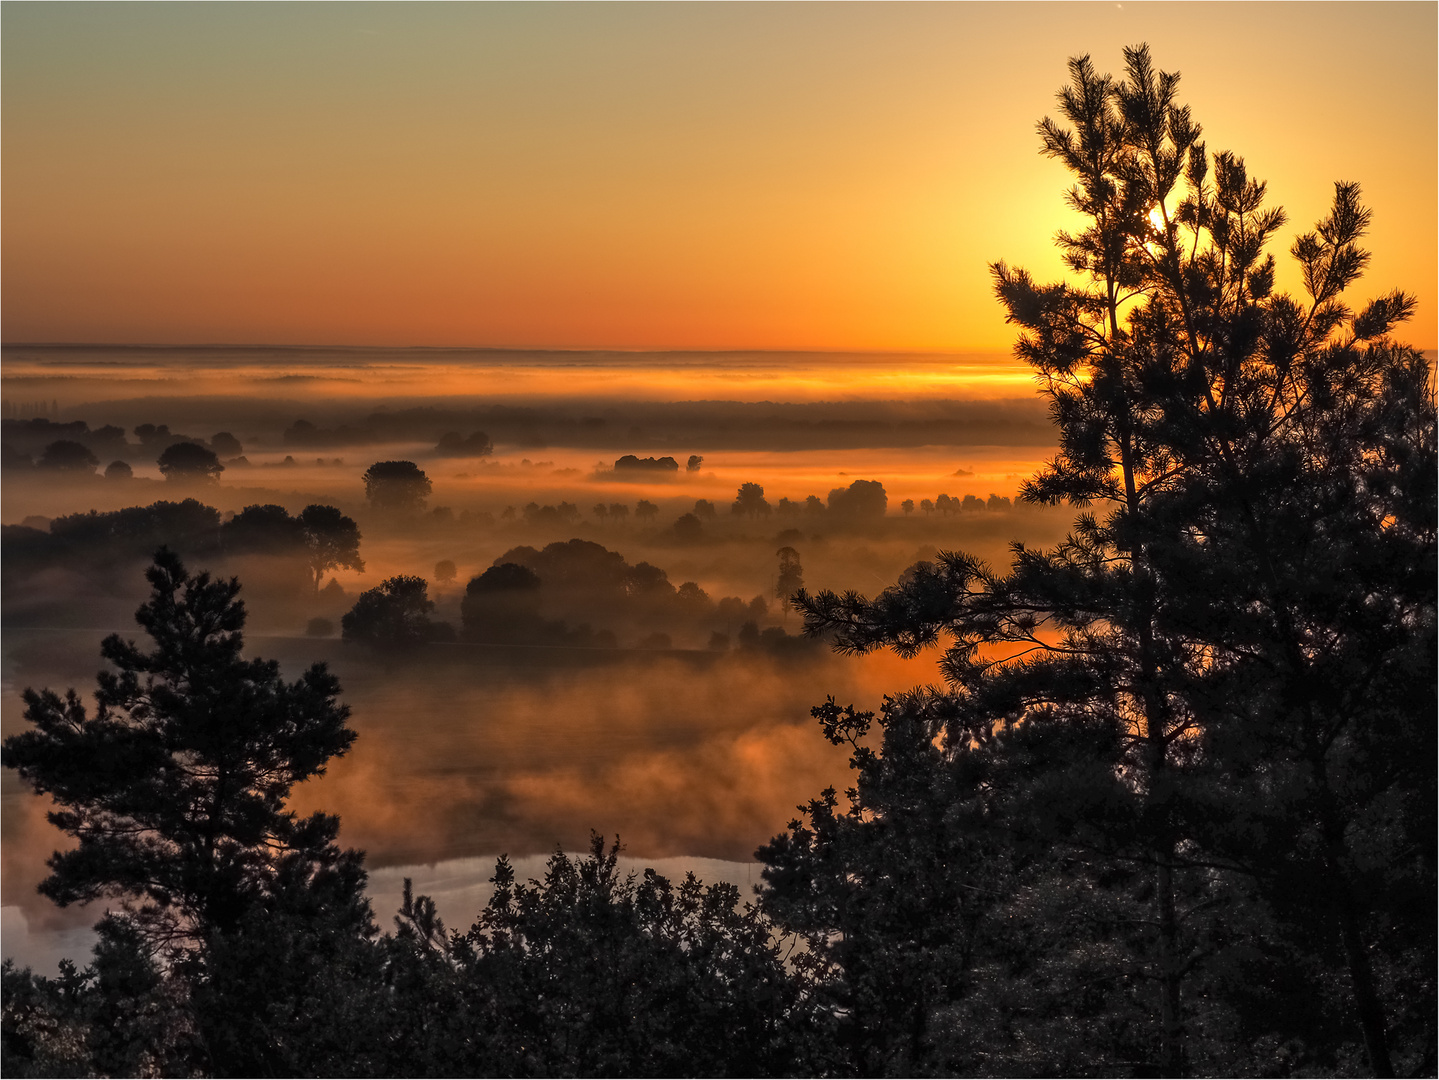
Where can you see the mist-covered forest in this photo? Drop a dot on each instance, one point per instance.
(1083, 733)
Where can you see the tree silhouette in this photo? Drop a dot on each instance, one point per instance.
(646, 510)
(175, 788)
(321, 535)
(119, 470)
(1220, 654)
(393, 615)
(502, 605)
(265, 530)
(594, 972)
(396, 485)
(862, 499)
(750, 501)
(64, 455)
(445, 570)
(189, 461)
(791, 576)
(332, 540)
(477, 444)
(688, 529)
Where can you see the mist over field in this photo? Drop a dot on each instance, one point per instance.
(785, 573)
(673, 712)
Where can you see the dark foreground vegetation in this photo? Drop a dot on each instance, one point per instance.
(1171, 809)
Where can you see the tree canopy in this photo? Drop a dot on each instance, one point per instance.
(189, 461)
(64, 455)
(175, 787)
(396, 485)
(394, 614)
(1217, 682)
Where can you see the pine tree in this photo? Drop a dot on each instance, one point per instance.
(1242, 644)
(175, 787)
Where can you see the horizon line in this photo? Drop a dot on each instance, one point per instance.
(749, 350)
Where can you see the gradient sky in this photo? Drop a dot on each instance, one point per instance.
(698, 176)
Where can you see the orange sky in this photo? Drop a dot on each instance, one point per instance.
(636, 176)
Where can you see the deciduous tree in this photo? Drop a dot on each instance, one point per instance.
(396, 485)
(189, 461)
(65, 455)
(332, 540)
(750, 501)
(395, 615)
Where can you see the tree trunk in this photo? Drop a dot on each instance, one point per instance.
(1171, 1046)
(1356, 954)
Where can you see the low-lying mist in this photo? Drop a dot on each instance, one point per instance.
(606, 540)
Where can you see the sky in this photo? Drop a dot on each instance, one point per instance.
(638, 176)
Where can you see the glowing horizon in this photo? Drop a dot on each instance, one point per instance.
(688, 177)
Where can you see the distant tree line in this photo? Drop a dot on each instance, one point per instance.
(72, 448)
(574, 593)
(321, 536)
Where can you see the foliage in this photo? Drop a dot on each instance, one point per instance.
(325, 538)
(594, 973)
(189, 461)
(1214, 692)
(396, 485)
(118, 1017)
(264, 530)
(632, 463)
(750, 501)
(862, 499)
(687, 529)
(394, 614)
(476, 444)
(502, 605)
(332, 541)
(791, 575)
(175, 787)
(188, 525)
(66, 456)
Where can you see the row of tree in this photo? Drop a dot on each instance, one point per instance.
(183, 461)
(945, 505)
(32, 436)
(573, 592)
(321, 536)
